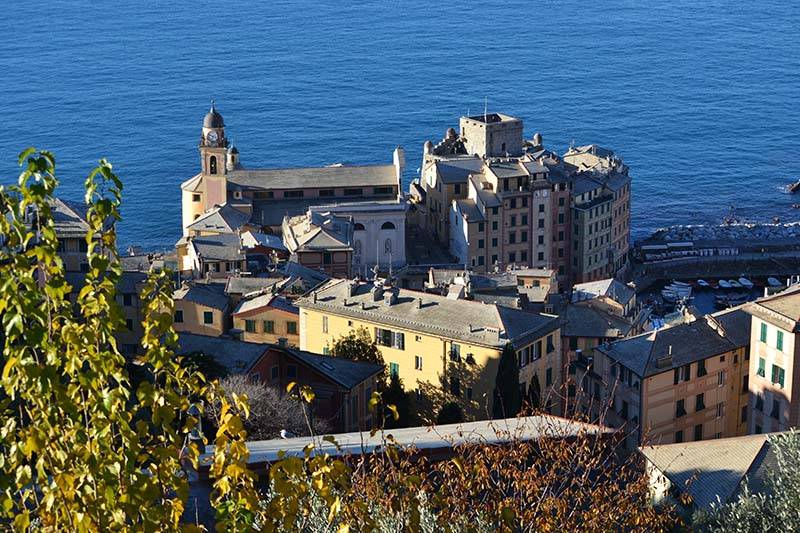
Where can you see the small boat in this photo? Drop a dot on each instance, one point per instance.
(737, 299)
(794, 187)
(724, 284)
(680, 284)
(703, 283)
(746, 283)
(734, 284)
(795, 206)
(774, 282)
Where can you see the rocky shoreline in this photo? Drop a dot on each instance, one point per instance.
(735, 231)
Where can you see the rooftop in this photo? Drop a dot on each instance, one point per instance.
(317, 231)
(221, 219)
(247, 285)
(69, 218)
(223, 247)
(786, 304)
(584, 320)
(687, 343)
(251, 239)
(423, 438)
(464, 320)
(346, 373)
(236, 356)
(207, 294)
(258, 303)
(493, 118)
(457, 170)
(715, 468)
(610, 287)
(315, 177)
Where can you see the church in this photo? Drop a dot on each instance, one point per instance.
(228, 197)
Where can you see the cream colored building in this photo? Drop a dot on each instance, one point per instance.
(682, 383)
(268, 318)
(775, 349)
(434, 341)
(202, 308)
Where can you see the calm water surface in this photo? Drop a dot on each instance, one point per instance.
(700, 98)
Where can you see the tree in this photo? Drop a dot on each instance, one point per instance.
(450, 413)
(358, 345)
(507, 398)
(270, 411)
(82, 448)
(397, 396)
(534, 393)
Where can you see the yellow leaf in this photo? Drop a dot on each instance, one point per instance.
(344, 528)
(290, 386)
(8, 366)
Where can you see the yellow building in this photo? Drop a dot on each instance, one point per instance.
(440, 347)
(202, 308)
(682, 383)
(267, 318)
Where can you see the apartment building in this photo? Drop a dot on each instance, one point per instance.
(775, 349)
(267, 318)
(431, 340)
(682, 383)
(496, 199)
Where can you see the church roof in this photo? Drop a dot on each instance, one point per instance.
(316, 177)
(220, 219)
(213, 119)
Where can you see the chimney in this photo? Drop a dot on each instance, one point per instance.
(389, 297)
(282, 342)
(314, 296)
(419, 303)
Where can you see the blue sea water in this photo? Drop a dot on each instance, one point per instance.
(700, 98)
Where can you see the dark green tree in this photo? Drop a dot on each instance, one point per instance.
(396, 395)
(358, 345)
(450, 413)
(534, 397)
(507, 398)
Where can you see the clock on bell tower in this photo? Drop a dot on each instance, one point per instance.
(213, 144)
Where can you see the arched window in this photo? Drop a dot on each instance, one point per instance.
(387, 225)
(359, 227)
(387, 246)
(212, 164)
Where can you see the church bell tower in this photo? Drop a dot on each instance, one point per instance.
(213, 156)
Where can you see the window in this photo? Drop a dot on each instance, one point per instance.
(291, 371)
(269, 326)
(250, 326)
(721, 378)
(678, 437)
(82, 246)
(480, 243)
(701, 368)
(779, 341)
(480, 261)
(274, 372)
(523, 237)
(494, 225)
(494, 212)
(540, 240)
(293, 194)
(195, 197)
(720, 409)
(537, 351)
(469, 393)
(758, 429)
(326, 193)
(394, 369)
(327, 258)
(353, 192)
(389, 338)
(390, 190)
(212, 164)
(548, 377)
(512, 204)
(778, 375)
(494, 243)
(540, 256)
(524, 220)
(541, 223)
(698, 432)
(127, 299)
(759, 402)
(624, 411)
(512, 257)
(129, 324)
(512, 237)
(480, 227)
(776, 409)
(745, 384)
(744, 414)
(324, 324)
(513, 220)
(680, 409)
(455, 386)
(573, 343)
(208, 317)
(417, 362)
(763, 332)
(561, 218)
(550, 345)
(291, 327)
(541, 208)
(179, 316)
(762, 366)
(387, 225)
(455, 352)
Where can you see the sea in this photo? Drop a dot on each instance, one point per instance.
(701, 99)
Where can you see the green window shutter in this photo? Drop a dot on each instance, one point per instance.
(779, 343)
(763, 332)
(761, 367)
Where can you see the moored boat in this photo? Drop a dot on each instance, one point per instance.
(703, 283)
(773, 282)
(724, 284)
(734, 284)
(746, 283)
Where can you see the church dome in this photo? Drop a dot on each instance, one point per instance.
(213, 118)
